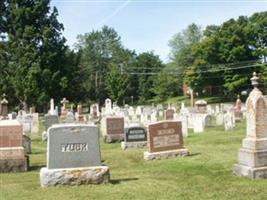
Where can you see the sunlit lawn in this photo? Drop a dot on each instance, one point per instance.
(206, 174)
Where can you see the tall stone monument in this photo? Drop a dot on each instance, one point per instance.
(4, 108)
(252, 157)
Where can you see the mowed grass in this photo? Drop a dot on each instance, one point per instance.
(206, 174)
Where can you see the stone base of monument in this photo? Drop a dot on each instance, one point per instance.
(14, 165)
(113, 138)
(165, 154)
(249, 172)
(74, 176)
(133, 145)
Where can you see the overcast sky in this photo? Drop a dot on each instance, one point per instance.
(148, 25)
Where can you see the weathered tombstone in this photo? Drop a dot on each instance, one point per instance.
(52, 107)
(70, 118)
(219, 119)
(237, 110)
(228, 121)
(252, 156)
(26, 141)
(183, 119)
(4, 108)
(165, 140)
(49, 120)
(135, 137)
(73, 156)
(169, 114)
(113, 129)
(198, 123)
(94, 111)
(208, 120)
(201, 106)
(64, 110)
(79, 114)
(108, 107)
(12, 156)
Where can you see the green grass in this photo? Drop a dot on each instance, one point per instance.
(206, 174)
(186, 100)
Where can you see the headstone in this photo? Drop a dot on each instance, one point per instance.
(169, 114)
(237, 110)
(183, 119)
(252, 156)
(135, 137)
(52, 107)
(219, 119)
(112, 129)
(165, 140)
(79, 114)
(64, 110)
(26, 141)
(198, 122)
(49, 120)
(208, 120)
(70, 118)
(73, 156)
(94, 111)
(201, 106)
(108, 107)
(228, 121)
(12, 156)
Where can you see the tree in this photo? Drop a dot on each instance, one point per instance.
(116, 84)
(35, 50)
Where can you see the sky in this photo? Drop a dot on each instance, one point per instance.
(148, 25)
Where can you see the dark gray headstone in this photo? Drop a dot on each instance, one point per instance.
(71, 146)
(135, 134)
(50, 120)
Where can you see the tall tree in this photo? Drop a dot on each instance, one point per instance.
(35, 50)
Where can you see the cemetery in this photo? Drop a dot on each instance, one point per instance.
(103, 121)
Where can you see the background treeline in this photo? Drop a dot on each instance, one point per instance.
(36, 64)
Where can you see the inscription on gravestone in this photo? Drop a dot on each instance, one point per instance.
(136, 134)
(164, 136)
(72, 146)
(115, 125)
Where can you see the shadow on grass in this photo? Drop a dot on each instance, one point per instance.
(118, 181)
(194, 154)
(35, 167)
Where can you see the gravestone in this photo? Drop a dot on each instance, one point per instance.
(237, 110)
(79, 114)
(252, 156)
(12, 156)
(64, 110)
(108, 107)
(198, 122)
(49, 120)
(26, 141)
(165, 140)
(70, 118)
(169, 114)
(94, 111)
(208, 120)
(219, 119)
(229, 121)
(112, 129)
(184, 122)
(135, 137)
(73, 156)
(201, 106)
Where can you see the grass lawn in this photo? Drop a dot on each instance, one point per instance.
(206, 174)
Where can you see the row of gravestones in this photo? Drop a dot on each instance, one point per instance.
(74, 152)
